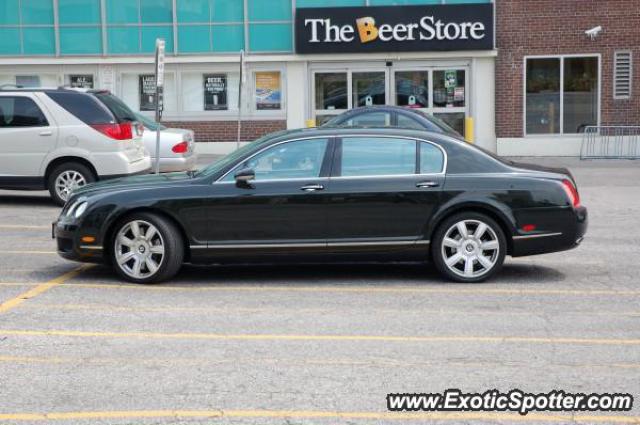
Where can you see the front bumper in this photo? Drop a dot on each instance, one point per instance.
(567, 228)
(70, 247)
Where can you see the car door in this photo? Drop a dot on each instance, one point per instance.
(383, 191)
(283, 207)
(26, 136)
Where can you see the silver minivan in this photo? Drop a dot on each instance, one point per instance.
(60, 139)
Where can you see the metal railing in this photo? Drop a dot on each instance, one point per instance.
(611, 142)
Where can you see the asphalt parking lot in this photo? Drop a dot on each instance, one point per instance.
(317, 344)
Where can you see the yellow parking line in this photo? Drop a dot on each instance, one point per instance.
(22, 226)
(33, 292)
(18, 252)
(228, 310)
(350, 338)
(373, 362)
(316, 414)
(452, 290)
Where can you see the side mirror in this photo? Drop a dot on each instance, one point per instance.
(244, 176)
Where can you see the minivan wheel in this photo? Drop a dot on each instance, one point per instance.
(67, 177)
(469, 247)
(146, 249)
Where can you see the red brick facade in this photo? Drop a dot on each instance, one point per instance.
(227, 131)
(553, 27)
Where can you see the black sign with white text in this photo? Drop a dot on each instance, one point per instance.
(394, 28)
(215, 92)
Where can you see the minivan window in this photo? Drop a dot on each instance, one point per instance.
(121, 111)
(83, 106)
(20, 111)
(372, 156)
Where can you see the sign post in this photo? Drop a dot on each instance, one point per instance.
(241, 84)
(160, 45)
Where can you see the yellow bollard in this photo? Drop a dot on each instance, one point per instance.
(468, 129)
(310, 123)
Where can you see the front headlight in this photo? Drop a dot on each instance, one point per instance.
(80, 209)
(72, 208)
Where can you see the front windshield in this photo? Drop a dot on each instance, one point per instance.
(149, 123)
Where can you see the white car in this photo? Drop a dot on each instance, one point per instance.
(60, 139)
(177, 148)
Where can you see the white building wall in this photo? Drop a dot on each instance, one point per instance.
(483, 104)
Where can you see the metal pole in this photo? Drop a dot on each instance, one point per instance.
(240, 98)
(157, 119)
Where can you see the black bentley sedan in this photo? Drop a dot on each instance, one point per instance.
(335, 194)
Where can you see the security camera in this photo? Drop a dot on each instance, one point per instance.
(593, 32)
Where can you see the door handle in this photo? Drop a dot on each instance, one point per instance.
(312, 187)
(46, 133)
(427, 184)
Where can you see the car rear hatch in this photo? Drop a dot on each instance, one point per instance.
(130, 138)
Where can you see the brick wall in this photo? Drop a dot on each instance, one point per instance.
(227, 131)
(548, 27)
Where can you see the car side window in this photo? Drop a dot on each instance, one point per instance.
(408, 122)
(431, 159)
(20, 111)
(370, 119)
(377, 156)
(290, 160)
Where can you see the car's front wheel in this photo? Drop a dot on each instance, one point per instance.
(469, 247)
(147, 248)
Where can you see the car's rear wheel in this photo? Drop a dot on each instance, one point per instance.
(67, 177)
(147, 248)
(469, 247)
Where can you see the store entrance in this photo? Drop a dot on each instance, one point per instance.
(437, 90)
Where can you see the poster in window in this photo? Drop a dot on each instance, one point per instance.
(84, 81)
(268, 90)
(215, 92)
(148, 92)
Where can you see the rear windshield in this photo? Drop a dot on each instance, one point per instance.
(149, 123)
(121, 111)
(83, 106)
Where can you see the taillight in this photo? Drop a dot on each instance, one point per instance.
(572, 192)
(181, 147)
(122, 131)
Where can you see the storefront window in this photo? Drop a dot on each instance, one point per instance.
(580, 93)
(138, 92)
(543, 96)
(455, 120)
(412, 89)
(368, 88)
(210, 91)
(449, 88)
(562, 94)
(331, 91)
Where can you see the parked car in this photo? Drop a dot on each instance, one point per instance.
(62, 139)
(329, 194)
(391, 116)
(177, 147)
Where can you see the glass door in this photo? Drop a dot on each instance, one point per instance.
(335, 91)
(440, 92)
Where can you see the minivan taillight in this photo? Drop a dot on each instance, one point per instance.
(572, 192)
(181, 147)
(122, 131)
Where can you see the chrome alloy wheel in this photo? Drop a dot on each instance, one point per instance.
(67, 181)
(470, 248)
(139, 249)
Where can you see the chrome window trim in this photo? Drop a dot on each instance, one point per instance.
(445, 162)
(539, 235)
(412, 242)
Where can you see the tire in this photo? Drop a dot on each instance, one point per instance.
(149, 257)
(67, 176)
(469, 259)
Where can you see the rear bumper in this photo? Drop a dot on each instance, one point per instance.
(569, 228)
(176, 164)
(119, 164)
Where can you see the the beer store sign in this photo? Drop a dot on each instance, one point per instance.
(394, 28)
